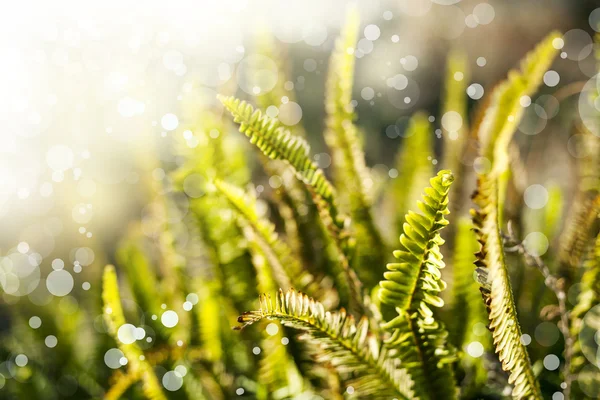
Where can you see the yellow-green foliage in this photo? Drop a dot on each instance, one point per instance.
(113, 315)
(291, 196)
(414, 166)
(468, 311)
(208, 244)
(350, 172)
(454, 117)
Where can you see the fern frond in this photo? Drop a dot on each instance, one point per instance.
(413, 285)
(498, 296)
(415, 278)
(494, 134)
(349, 347)
(350, 171)
(278, 143)
(113, 315)
(301, 228)
(468, 310)
(414, 167)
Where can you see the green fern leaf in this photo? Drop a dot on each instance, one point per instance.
(278, 143)
(349, 347)
(418, 256)
(494, 134)
(350, 171)
(412, 285)
(498, 296)
(113, 315)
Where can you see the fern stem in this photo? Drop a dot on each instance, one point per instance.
(557, 287)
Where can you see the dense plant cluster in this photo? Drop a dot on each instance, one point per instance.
(313, 257)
